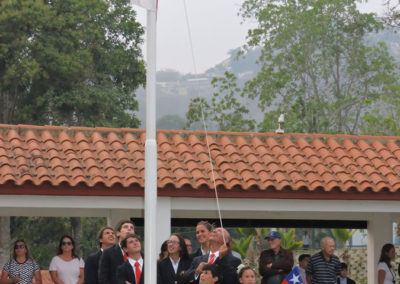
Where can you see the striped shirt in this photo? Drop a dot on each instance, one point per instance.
(323, 271)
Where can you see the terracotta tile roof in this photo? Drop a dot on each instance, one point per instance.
(95, 160)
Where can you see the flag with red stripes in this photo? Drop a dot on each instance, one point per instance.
(293, 277)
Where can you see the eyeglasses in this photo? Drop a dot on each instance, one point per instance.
(19, 246)
(173, 243)
(66, 243)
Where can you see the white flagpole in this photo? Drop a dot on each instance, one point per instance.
(150, 192)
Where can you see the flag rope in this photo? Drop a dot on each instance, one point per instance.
(203, 120)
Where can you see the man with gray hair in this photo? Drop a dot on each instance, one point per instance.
(324, 267)
(220, 254)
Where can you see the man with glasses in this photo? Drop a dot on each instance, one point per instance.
(115, 256)
(275, 263)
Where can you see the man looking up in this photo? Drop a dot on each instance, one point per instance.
(275, 263)
(131, 271)
(114, 256)
(106, 239)
(219, 254)
(324, 267)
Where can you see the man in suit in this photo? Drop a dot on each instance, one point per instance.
(106, 239)
(114, 256)
(343, 279)
(219, 254)
(131, 271)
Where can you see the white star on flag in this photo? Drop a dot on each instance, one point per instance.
(295, 279)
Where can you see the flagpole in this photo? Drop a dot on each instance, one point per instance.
(150, 193)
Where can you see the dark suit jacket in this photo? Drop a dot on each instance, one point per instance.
(285, 263)
(349, 281)
(196, 253)
(92, 268)
(227, 265)
(112, 258)
(125, 273)
(166, 273)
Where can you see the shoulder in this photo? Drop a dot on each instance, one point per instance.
(110, 250)
(382, 266)
(286, 251)
(164, 262)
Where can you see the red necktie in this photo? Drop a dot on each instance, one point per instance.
(137, 272)
(125, 257)
(212, 258)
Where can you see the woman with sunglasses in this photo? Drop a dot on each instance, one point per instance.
(21, 268)
(66, 267)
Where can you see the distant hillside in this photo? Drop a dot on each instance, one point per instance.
(174, 90)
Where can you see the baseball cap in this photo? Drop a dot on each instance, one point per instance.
(273, 235)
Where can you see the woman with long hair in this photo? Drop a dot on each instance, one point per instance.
(171, 269)
(66, 267)
(386, 274)
(203, 230)
(163, 251)
(21, 268)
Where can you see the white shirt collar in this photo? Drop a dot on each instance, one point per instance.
(175, 265)
(215, 257)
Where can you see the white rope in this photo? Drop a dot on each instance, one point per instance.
(204, 122)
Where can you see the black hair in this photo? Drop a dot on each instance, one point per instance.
(343, 266)
(243, 269)
(60, 251)
(184, 252)
(214, 268)
(384, 254)
(303, 256)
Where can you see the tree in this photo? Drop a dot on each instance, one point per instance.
(70, 62)
(343, 235)
(224, 112)
(315, 66)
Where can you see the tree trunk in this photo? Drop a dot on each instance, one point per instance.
(5, 239)
(76, 224)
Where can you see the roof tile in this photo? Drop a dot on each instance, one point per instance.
(265, 162)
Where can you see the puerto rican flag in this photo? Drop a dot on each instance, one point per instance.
(293, 277)
(148, 4)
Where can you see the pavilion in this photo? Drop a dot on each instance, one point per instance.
(99, 172)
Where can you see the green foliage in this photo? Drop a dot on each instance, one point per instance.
(70, 62)
(224, 111)
(289, 240)
(343, 235)
(242, 245)
(315, 66)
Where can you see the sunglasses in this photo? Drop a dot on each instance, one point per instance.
(66, 243)
(19, 246)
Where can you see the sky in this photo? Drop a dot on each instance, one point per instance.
(215, 28)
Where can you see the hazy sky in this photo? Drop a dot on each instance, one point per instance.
(215, 27)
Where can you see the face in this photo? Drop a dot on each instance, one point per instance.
(391, 254)
(274, 243)
(188, 245)
(304, 262)
(343, 273)
(132, 246)
(20, 249)
(217, 236)
(173, 245)
(329, 247)
(126, 229)
(248, 277)
(66, 245)
(108, 238)
(202, 234)
(207, 278)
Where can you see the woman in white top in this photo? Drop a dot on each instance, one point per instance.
(386, 274)
(66, 267)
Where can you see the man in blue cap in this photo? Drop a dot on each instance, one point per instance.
(275, 263)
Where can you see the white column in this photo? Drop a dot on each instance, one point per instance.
(379, 233)
(163, 219)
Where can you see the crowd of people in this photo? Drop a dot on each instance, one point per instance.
(120, 261)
